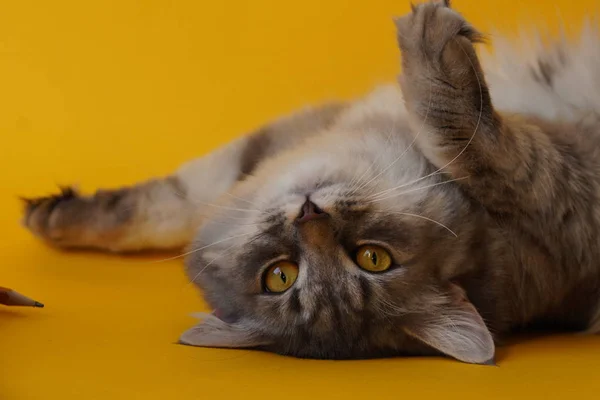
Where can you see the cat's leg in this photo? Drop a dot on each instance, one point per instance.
(506, 162)
(157, 214)
(165, 213)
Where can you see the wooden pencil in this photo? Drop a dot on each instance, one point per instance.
(9, 297)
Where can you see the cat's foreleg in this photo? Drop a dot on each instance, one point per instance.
(506, 161)
(157, 214)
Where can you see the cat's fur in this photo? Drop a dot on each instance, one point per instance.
(489, 205)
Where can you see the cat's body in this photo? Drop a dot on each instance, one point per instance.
(488, 215)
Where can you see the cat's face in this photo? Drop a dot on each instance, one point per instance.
(336, 255)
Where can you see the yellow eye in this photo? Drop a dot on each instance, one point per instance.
(280, 277)
(373, 258)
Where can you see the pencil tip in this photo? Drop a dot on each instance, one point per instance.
(38, 304)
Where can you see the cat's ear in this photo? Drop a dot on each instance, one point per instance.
(213, 332)
(456, 329)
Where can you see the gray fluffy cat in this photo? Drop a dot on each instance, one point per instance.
(430, 218)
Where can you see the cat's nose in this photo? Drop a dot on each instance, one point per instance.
(309, 212)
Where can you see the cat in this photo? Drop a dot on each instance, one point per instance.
(432, 217)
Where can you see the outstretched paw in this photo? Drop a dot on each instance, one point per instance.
(70, 220)
(42, 214)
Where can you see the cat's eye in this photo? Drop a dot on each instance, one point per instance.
(373, 258)
(280, 277)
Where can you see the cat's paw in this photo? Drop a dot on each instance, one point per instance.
(69, 220)
(43, 216)
(434, 38)
(441, 76)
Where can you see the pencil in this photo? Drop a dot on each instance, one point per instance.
(9, 297)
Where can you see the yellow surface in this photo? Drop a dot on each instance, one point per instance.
(106, 93)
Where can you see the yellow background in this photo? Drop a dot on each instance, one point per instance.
(109, 92)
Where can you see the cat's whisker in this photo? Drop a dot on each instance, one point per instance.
(196, 201)
(227, 208)
(388, 167)
(355, 179)
(417, 189)
(187, 253)
(354, 187)
(388, 308)
(412, 143)
(222, 215)
(224, 252)
(242, 199)
(383, 192)
(397, 159)
(215, 221)
(421, 217)
(225, 215)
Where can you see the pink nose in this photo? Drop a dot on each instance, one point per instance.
(310, 211)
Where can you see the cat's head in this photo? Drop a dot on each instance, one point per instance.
(342, 249)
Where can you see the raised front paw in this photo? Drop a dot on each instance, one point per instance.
(441, 80)
(436, 42)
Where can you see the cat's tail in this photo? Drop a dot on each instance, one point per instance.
(559, 80)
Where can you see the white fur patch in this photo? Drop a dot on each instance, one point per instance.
(574, 79)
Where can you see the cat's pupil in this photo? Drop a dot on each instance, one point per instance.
(374, 257)
(283, 277)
